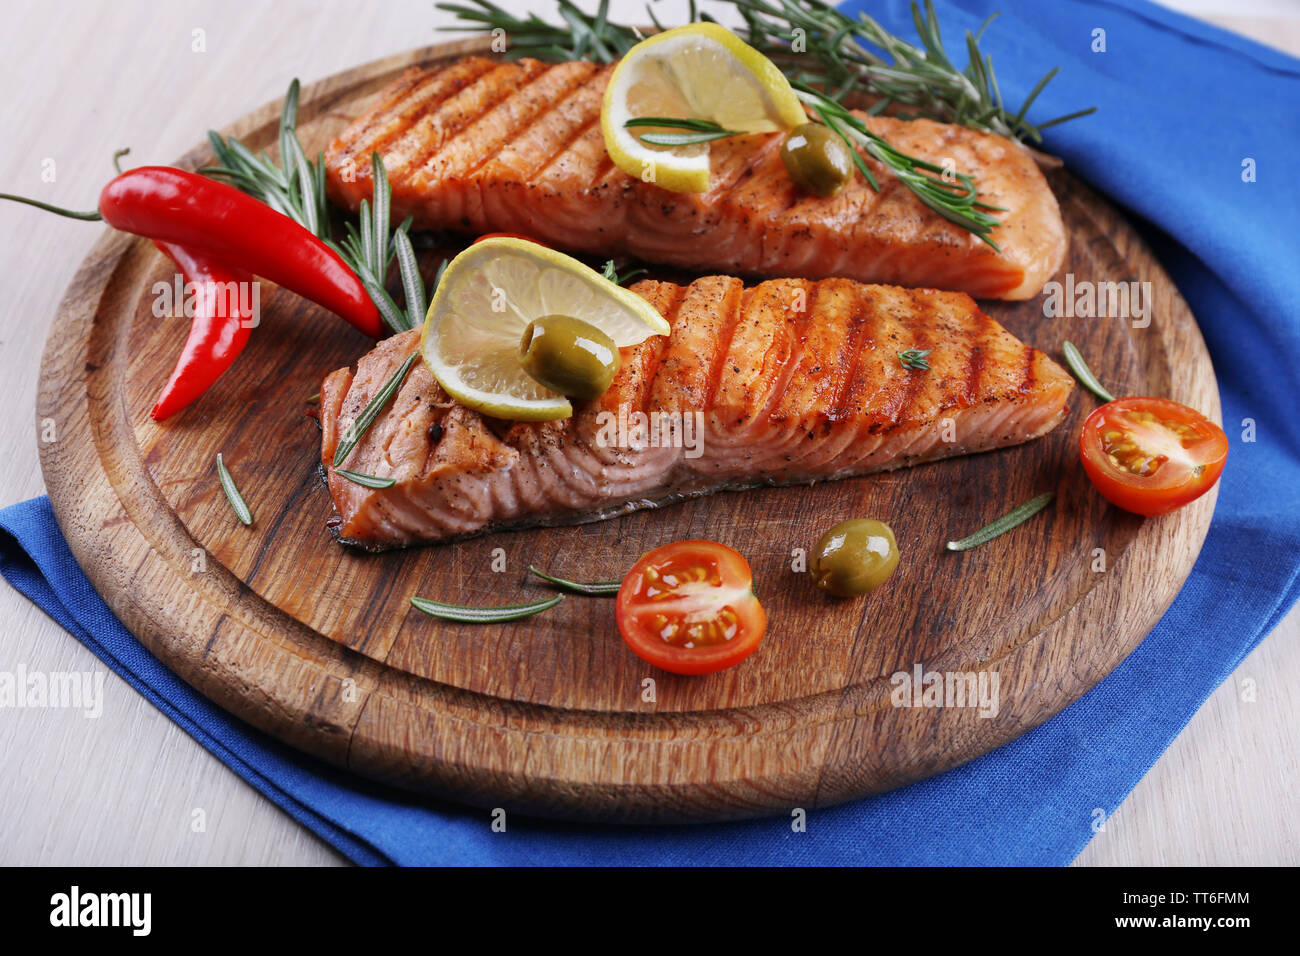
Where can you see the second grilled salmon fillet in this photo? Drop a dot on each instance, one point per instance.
(792, 380)
(484, 146)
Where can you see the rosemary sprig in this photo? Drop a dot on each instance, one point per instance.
(838, 53)
(1004, 524)
(366, 481)
(589, 588)
(296, 187)
(922, 79)
(369, 250)
(361, 424)
(951, 194)
(1074, 359)
(236, 500)
(483, 615)
(914, 359)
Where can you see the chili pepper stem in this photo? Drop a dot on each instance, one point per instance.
(91, 216)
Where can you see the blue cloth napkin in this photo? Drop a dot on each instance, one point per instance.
(1182, 105)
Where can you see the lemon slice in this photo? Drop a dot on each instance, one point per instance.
(701, 71)
(488, 295)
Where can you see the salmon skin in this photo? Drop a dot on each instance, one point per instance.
(790, 381)
(485, 146)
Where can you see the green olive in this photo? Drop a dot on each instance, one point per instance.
(854, 557)
(569, 356)
(817, 159)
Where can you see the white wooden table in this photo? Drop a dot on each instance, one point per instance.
(83, 79)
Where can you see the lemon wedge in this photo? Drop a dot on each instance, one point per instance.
(484, 302)
(701, 71)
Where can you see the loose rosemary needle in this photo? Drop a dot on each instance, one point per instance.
(914, 359)
(589, 588)
(236, 500)
(1074, 359)
(483, 615)
(1004, 524)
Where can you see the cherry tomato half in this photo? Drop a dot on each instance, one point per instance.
(690, 608)
(1150, 455)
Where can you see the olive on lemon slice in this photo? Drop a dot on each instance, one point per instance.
(486, 300)
(569, 356)
(817, 159)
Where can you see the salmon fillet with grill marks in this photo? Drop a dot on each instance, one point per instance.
(793, 380)
(482, 146)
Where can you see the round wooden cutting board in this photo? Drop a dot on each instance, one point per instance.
(318, 645)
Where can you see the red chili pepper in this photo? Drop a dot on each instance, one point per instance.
(224, 225)
(223, 318)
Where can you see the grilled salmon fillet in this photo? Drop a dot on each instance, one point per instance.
(789, 381)
(483, 146)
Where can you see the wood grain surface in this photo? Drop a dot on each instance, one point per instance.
(317, 644)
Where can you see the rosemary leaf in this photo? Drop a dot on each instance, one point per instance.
(236, 500)
(678, 122)
(393, 317)
(379, 229)
(437, 276)
(1074, 359)
(914, 359)
(1064, 119)
(1004, 524)
(289, 111)
(412, 281)
(322, 197)
(366, 481)
(483, 615)
(306, 187)
(683, 139)
(362, 423)
(366, 241)
(589, 588)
